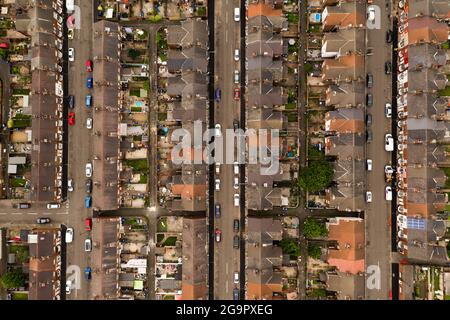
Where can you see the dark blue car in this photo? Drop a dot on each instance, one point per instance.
(90, 82)
(88, 201)
(87, 273)
(218, 94)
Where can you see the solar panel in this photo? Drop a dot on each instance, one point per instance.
(414, 223)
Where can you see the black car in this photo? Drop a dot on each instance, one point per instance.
(22, 205)
(369, 80)
(236, 225)
(387, 67)
(88, 186)
(389, 36)
(236, 241)
(71, 102)
(369, 136)
(368, 119)
(217, 210)
(235, 294)
(235, 125)
(43, 220)
(369, 100)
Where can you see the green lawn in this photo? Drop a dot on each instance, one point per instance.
(20, 296)
(445, 92)
(170, 241)
(22, 252)
(293, 18)
(143, 178)
(292, 117)
(138, 165)
(162, 225)
(16, 182)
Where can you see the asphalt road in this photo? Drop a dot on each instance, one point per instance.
(80, 140)
(227, 259)
(378, 236)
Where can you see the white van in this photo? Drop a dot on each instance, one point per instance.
(70, 6)
(236, 199)
(237, 14)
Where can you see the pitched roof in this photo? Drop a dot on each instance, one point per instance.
(349, 235)
(344, 68)
(345, 14)
(343, 42)
(432, 8)
(345, 121)
(347, 286)
(426, 29)
(345, 94)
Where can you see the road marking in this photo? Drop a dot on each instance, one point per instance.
(66, 212)
(226, 36)
(3, 213)
(226, 17)
(32, 213)
(17, 213)
(226, 268)
(226, 287)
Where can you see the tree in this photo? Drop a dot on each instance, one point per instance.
(290, 246)
(314, 251)
(13, 279)
(133, 53)
(316, 176)
(314, 229)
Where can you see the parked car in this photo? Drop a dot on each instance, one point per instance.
(369, 80)
(89, 123)
(218, 130)
(236, 200)
(389, 36)
(88, 65)
(236, 225)
(237, 14)
(88, 101)
(371, 13)
(388, 193)
(217, 167)
(217, 210)
(389, 142)
(237, 94)
(218, 234)
(88, 186)
(218, 95)
(236, 76)
(369, 164)
(43, 220)
(368, 119)
(88, 224)
(388, 110)
(68, 286)
(87, 201)
(71, 118)
(88, 169)
(368, 196)
(88, 245)
(236, 277)
(236, 241)
(22, 205)
(70, 185)
(235, 294)
(217, 184)
(369, 100)
(69, 235)
(70, 34)
(53, 205)
(71, 101)
(236, 183)
(236, 54)
(387, 68)
(235, 125)
(87, 273)
(71, 54)
(89, 82)
(369, 136)
(236, 168)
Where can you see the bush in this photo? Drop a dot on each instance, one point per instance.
(13, 279)
(22, 252)
(133, 53)
(201, 11)
(314, 251)
(293, 18)
(316, 176)
(290, 246)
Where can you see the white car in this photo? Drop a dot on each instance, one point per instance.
(369, 164)
(68, 286)
(368, 196)
(71, 54)
(236, 183)
(237, 14)
(217, 184)
(89, 123)
(389, 142)
(217, 130)
(70, 185)
(217, 167)
(236, 168)
(236, 54)
(388, 193)
(88, 245)
(371, 13)
(236, 277)
(53, 205)
(88, 170)
(236, 76)
(388, 110)
(388, 169)
(69, 235)
(236, 200)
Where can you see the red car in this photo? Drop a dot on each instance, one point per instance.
(218, 235)
(71, 118)
(88, 224)
(237, 93)
(88, 65)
